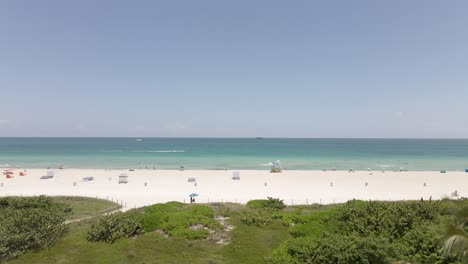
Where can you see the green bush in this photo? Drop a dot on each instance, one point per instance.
(31, 223)
(272, 203)
(423, 245)
(180, 220)
(255, 204)
(260, 217)
(389, 219)
(112, 227)
(366, 232)
(334, 249)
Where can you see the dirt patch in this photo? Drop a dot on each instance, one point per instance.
(221, 237)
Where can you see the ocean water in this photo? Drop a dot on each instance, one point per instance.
(235, 153)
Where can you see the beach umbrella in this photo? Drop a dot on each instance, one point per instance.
(193, 194)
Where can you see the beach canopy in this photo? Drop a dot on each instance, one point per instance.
(193, 194)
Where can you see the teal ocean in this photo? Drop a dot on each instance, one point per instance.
(235, 153)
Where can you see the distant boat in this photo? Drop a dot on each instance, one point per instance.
(139, 139)
(258, 138)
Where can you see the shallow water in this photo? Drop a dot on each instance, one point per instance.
(235, 153)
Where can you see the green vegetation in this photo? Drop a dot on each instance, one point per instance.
(264, 231)
(85, 206)
(174, 219)
(243, 244)
(369, 232)
(456, 242)
(180, 220)
(114, 226)
(31, 223)
(270, 203)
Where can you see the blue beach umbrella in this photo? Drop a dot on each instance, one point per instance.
(193, 194)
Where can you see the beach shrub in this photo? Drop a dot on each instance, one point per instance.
(272, 203)
(275, 203)
(314, 224)
(254, 204)
(334, 249)
(423, 245)
(30, 223)
(112, 227)
(386, 218)
(180, 220)
(259, 217)
(401, 231)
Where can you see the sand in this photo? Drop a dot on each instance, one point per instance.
(294, 187)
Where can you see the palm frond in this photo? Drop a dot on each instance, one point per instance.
(457, 245)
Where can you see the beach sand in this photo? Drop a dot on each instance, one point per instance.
(294, 187)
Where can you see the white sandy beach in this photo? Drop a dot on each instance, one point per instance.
(294, 187)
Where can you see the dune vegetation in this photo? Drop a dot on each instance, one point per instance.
(263, 231)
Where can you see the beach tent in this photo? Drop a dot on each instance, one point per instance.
(123, 178)
(466, 170)
(236, 175)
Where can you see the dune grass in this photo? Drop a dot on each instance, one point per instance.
(85, 206)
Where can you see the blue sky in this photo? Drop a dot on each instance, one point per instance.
(234, 68)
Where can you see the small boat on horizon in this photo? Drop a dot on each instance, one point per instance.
(259, 138)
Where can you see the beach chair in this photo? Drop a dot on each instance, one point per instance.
(192, 179)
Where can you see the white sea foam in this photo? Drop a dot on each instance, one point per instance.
(4, 165)
(384, 165)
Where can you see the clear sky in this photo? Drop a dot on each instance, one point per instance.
(241, 68)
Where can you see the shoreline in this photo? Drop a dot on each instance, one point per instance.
(2, 168)
(148, 186)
